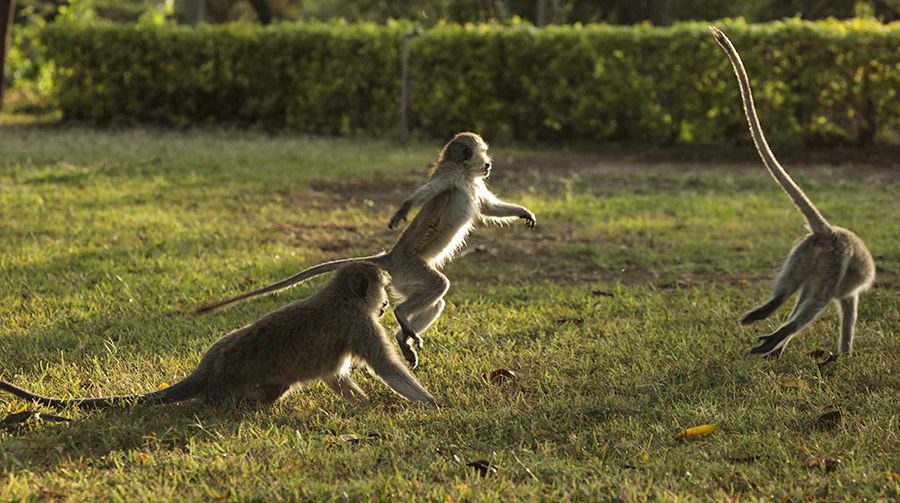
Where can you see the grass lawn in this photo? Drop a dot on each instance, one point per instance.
(618, 315)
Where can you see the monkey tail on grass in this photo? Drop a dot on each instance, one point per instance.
(284, 284)
(180, 391)
(815, 220)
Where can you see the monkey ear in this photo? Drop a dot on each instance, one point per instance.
(459, 153)
(362, 286)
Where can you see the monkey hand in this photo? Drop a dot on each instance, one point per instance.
(530, 220)
(400, 215)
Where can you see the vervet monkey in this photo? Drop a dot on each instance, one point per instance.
(452, 199)
(314, 338)
(830, 263)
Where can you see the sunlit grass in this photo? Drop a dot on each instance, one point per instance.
(618, 315)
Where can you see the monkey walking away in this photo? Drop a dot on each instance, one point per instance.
(830, 263)
(454, 196)
(314, 338)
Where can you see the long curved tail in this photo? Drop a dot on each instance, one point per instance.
(301, 276)
(814, 219)
(189, 387)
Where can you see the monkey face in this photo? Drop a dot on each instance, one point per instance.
(480, 162)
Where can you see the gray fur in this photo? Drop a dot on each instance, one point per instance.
(314, 338)
(452, 199)
(829, 264)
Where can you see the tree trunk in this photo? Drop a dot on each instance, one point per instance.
(7, 13)
(194, 11)
(263, 11)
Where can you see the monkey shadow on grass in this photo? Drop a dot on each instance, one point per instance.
(98, 302)
(98, 435)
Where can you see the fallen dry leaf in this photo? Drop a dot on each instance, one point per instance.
(795, 383)
(499, 376)
(483, 467)
(464, 491)
(816, 353)
(746, 458)
(698, 431)
(825, 463)
(350, 438)
(831, 359)
(53, 494)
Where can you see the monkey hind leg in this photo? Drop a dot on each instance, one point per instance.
(848, 307)
(786, 284)
(343, 386)
(419, 321)
(382, 360)
(408, 338)
(809, 304)
(422, 305)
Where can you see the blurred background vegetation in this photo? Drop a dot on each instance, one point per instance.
(852, 60)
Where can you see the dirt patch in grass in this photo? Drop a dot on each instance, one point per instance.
(546, 254)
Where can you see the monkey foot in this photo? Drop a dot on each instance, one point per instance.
(768, 349)
(410, 354)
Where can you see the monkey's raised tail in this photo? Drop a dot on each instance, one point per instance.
(289, 282)
(816, 221)
(180, 391)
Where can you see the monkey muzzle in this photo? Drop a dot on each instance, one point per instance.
(486, 169)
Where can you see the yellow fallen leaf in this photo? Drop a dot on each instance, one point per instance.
(21, 409)
(699, 431)
(540, 432)
(895, 477)
(464, 491)
(795, 383)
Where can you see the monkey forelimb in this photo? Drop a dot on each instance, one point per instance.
(453, 198)
(314, 338)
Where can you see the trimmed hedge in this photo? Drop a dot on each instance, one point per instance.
(814, 82)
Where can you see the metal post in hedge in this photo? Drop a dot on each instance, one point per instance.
(7, 13)
(406, 85)
(194, 11)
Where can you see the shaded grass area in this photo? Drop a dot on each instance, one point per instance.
(618, 315)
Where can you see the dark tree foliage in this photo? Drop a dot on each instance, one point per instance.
(429, 12)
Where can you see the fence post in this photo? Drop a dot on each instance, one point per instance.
(194, 10)
(406, 85)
